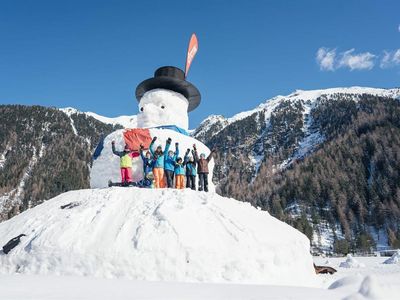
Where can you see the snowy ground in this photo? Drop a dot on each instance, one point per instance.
(378, 281)
(169, 244)
(28, 287)
(363, 278)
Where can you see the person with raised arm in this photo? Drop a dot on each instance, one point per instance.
(202, 168)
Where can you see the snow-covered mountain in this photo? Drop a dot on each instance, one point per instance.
(124, 121)
(305, 101)
(278, 156)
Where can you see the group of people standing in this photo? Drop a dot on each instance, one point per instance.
(165, 168)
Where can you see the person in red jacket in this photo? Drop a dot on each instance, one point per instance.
(202, 168)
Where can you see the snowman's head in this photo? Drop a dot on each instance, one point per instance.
(160, 107)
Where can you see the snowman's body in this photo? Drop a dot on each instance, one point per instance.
(161, 108)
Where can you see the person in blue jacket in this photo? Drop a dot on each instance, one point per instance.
(159, 158)
(169, 164)
(191, 170)
(179, 174)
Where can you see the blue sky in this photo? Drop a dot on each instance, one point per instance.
(92, 54)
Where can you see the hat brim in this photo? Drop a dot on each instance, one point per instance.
(183, 87)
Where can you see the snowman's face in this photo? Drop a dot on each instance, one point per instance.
(160, 107)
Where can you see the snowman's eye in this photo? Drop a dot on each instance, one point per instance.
(141, 109)
(162, 106)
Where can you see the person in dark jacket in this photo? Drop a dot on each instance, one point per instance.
(191, 170)
(202, 168)
(148, 165)
(125, 163)
(169, 165)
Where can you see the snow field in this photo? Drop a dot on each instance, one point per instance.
(375, 280)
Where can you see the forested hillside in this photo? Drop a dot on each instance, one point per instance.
(43, 152)
(329, 166)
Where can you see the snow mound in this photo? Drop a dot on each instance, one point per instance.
(394, 259)
(346, 281)
(371, 288)
(351, 262)
(157, 235)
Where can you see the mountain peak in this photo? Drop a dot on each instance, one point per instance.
(124, 121)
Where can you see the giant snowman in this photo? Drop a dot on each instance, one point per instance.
(164, 103)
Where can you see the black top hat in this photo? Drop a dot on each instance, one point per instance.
(170, 78)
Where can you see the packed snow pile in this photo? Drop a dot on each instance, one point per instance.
(156, 235)
(351, 262)
(394, 259)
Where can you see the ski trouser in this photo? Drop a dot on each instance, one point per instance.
(191, 182)
(126, 175)
(158, 174)
(203, 182)
(170, 178)
(180, 182)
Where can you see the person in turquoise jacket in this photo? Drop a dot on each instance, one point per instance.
(191, 170)
(169, 164)
(159, 158)
(179, 174)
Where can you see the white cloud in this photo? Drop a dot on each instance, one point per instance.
(360, 61)
(329, 61)
(396, 57)
(326, 58)
(390, 59)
